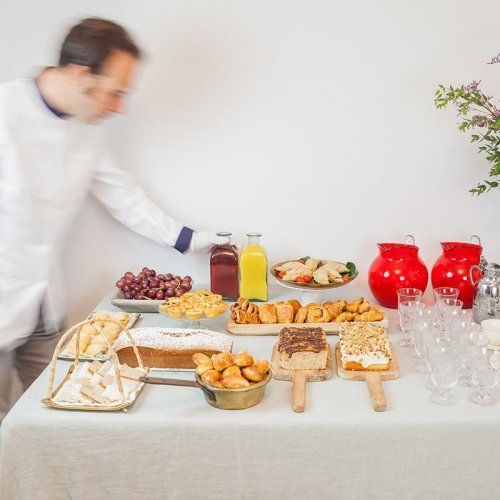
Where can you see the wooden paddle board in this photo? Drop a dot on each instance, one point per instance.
(299, 378)
(331, 328)
(372, 378)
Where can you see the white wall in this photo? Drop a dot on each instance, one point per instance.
(312, 122)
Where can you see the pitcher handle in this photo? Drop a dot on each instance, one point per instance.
(471, 276)
(475, 239)
(409, 237)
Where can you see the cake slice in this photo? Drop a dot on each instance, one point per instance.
(302, 349)
(364, 346)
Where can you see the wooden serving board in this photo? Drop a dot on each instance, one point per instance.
(372, 378)
(331, 328)
(299, 378)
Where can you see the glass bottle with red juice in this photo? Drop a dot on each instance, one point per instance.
(224, 269)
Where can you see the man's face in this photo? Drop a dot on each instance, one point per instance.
(103, 93)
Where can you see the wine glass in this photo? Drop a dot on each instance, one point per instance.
(407, 297)
(471, 355)
(484, 376)
(434, 341)
(444, 374)
(448, 309)
(442, 293)
(423, 334)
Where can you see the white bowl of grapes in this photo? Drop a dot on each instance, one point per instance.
(146, 290)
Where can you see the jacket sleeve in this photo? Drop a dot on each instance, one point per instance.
(128, 203)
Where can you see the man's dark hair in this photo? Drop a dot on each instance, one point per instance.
(91, 41)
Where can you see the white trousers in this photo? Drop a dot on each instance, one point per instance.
(28, 361)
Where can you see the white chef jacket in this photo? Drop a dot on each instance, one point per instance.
(47, 167)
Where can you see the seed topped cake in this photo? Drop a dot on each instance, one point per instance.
(302, 348)
(171, 347)
(364, 346)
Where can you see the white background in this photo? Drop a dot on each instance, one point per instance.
(312, 122)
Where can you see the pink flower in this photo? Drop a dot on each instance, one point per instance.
(472, 87)
(495, 60)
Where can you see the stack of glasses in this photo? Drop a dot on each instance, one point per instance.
(447, 345)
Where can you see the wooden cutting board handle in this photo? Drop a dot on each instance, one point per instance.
(298, 391)
(376, 391)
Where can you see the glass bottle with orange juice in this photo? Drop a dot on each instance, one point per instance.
(253, 270)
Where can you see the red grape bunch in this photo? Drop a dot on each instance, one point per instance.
(149, 285)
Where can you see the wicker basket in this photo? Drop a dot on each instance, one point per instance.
(51, 393)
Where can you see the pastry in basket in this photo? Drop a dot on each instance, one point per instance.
(364, 347)
(171, 347)
(91, 341)
(97, 382)
(230, 371)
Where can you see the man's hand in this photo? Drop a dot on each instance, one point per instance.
(203, 241)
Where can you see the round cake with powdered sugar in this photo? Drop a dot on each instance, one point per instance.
(170, 347)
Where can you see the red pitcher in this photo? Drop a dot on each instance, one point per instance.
(453, 266)
(397, 266)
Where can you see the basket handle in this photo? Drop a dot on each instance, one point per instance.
(78, 327)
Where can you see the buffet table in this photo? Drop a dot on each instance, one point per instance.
(172, 444)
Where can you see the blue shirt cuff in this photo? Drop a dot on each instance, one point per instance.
(184, 239)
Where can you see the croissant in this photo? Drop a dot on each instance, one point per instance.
(345, 316)
(353, 306)
(317, 315)
(284, 312)
(364, 307)
(334, 308)
(301, 315)
(372, 315)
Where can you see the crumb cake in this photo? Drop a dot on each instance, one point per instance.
(170, 347)
(302, 348)
(364, 346)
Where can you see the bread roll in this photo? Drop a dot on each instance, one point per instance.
(243, 359)
(263, 365)
(252, 373)
(201, 359)
(231, 371)
(201, 369)
(210, 376)
(300, 316)
(222, 361)
(295, 305)
(235, 382)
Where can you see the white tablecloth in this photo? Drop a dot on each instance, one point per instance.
(172, 444)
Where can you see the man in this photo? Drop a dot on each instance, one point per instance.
(52, 153)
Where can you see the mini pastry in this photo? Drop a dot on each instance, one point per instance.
(353, 306)
(252, 373)
(267, 314)
(194, 313)
(222, 360)
(231, 371)
(334, 308)
(364, 307)
(345, 316)
(284, 312)
(243, 359)
(301, 315)
(235, 382)
(295, 305)
(201, 359)
(201, 369)
(263, 366)
(372, 315)
(210, 376)
(317, 315)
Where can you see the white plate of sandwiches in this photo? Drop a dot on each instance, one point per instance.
(95, 386)
(92, 345)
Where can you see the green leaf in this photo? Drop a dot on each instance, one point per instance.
(352, 269)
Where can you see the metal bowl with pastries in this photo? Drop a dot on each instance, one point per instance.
(235, 399)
